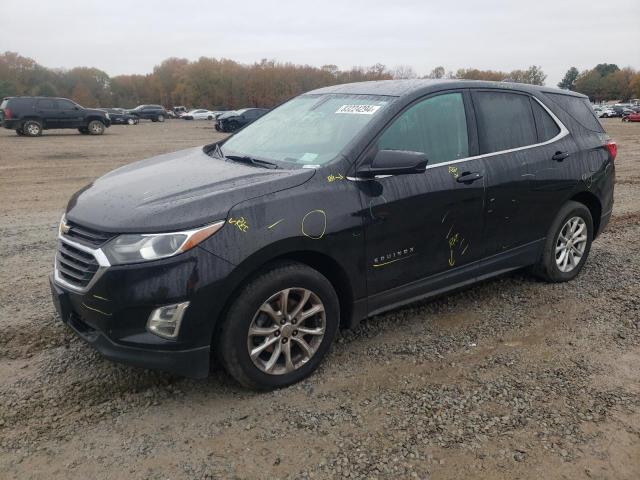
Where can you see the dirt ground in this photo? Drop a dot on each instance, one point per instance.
(512, 378)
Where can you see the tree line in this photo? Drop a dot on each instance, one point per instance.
(606, 81)
(226, 84)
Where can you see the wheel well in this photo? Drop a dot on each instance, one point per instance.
(91, 119)
(331, 269)
(592, 202)
(324, 264)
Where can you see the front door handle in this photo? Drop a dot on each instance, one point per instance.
(560, 156)
(469, 177)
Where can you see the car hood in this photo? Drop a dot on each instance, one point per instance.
(175, 191)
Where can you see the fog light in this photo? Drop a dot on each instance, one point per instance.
(165, 321)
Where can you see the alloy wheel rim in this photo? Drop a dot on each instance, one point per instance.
(286, 331)
(33, 129)
(95, 127)
(571, 244)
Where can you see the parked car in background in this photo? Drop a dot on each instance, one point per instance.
(340, 204)
(632, 117)
(155, 113)
(31, 115)
(607, 113)
(235, 119)
(199, 114)
(120, 116)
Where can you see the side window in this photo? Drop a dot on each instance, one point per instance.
(46, 104)
(66, 104)
(436, 127)
(505, 121)
(547, 127)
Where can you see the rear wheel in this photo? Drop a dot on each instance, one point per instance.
(32, 128)
(567, 245)
(96, 127)
(161, 118)
(279, 327)
(83, 130)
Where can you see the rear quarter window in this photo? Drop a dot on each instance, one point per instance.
(579, 109)
(547, 127)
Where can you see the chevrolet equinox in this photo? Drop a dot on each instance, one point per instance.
(339, 204)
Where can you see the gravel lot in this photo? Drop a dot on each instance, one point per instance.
(512, 378)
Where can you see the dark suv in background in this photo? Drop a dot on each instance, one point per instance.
(234, 120)
(155, 113)
(31, 115)
(337, 205)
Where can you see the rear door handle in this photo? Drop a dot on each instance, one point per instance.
(469, 177)
(560, 156)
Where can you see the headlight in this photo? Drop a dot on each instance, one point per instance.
(107, 115)
(133, 248)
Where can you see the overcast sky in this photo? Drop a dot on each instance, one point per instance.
(122, 37)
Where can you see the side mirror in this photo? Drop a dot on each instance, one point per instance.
(394, 162)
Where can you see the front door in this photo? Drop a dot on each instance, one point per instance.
(71, 114)
(420, 225)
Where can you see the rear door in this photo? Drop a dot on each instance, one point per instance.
(421, 225)
(508, 140)
(47, 110)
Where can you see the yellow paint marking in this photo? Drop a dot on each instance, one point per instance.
(96, 310)
(271, 226)
(241, 223)
(376, 265)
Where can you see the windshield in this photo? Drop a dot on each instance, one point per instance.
(308, 130)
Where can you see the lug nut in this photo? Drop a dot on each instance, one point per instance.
(283, 321)
(284, 340)
(294, 321)
(295, 332)
(277, 334)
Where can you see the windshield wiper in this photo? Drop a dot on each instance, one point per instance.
(254, 161)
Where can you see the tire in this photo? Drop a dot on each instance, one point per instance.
(83, 130)
(32, 128)
(160, 118)
(548, 267)
(95, 127)
(209, 117)
(233, 340)
(625, 119)
(131, 121)
(19, 132)
(233, 126)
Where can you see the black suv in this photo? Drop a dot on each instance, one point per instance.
(31, 115)
(236, 119)
(339, 204)
(155, 113)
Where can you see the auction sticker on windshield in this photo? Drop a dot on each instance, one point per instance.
(359, 109)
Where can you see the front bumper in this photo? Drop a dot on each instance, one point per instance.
(111, 315)
(189, 363)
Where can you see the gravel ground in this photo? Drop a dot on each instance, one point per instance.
(512, 378)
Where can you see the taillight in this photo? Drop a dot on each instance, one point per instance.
(7, 113)
(612, 148)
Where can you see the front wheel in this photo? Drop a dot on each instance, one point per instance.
(161, 118)
(95, 127)
(567, 244)
(279, 327)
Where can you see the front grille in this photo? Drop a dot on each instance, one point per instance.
(75, 266)
(87, 236)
